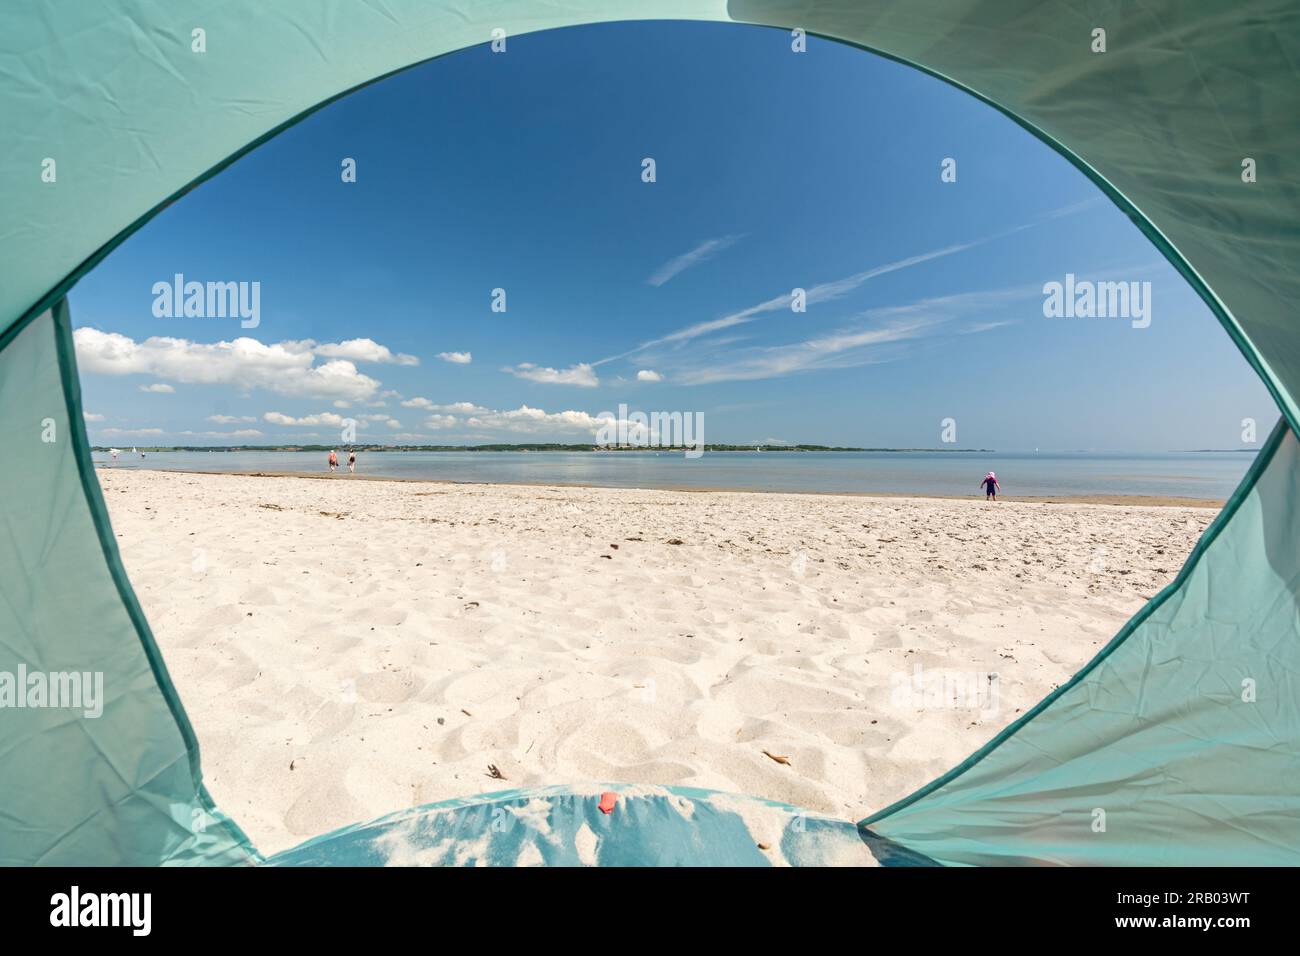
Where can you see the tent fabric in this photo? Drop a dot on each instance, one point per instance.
(114, 777)
(563, 826)
(110, 113)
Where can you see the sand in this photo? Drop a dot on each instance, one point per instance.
(346, 648)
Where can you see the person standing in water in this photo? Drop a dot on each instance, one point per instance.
(352, 461)
(334, 460)
(991, 487)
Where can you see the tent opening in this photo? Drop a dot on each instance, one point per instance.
(517, 422)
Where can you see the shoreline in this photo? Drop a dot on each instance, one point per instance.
(1152, 501)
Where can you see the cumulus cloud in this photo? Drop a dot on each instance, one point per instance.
(92, 417)
(456, 358)
(485, 423)
(525, 419)
(323, 418)
(417, 402)
(361, 350)
(648, 375)
(232, 419)
(131, 431)
(158, 388)
(286, 367)
(386, 419)
(581, 375)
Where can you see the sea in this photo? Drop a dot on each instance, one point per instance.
(1192, 474)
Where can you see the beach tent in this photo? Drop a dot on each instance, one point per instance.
(1178, 744)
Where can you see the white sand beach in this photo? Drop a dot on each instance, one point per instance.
(349, 648)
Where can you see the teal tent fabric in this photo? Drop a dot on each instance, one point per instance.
(110, 112)
(115, 777)
(563, 826)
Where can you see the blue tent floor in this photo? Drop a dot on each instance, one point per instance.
(565, 826)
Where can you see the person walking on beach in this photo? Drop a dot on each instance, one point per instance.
(991, 487)
(352, 462)
(334, 460)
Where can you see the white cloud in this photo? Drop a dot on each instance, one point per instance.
(525, 419)
(455, 408)
(703, 252)
(979, 327)
(580, 375)
(323, 418)
(488, 423)
(232, 419)
(456, 358)
(648, 375)
(158, 388)
(959, 304)
(854, 346)
(842, 349)
(361, 350)
(286, 367)
(131, 431)
(92, 417)
(822, 292)
(237, 433)
(837, 288)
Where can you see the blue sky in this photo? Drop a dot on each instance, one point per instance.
(774, 171)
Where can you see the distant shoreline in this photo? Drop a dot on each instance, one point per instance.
(1159, 501)
(592, 449)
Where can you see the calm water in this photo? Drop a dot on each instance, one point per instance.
(1178, 474)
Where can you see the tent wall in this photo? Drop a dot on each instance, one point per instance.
(118, 786)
